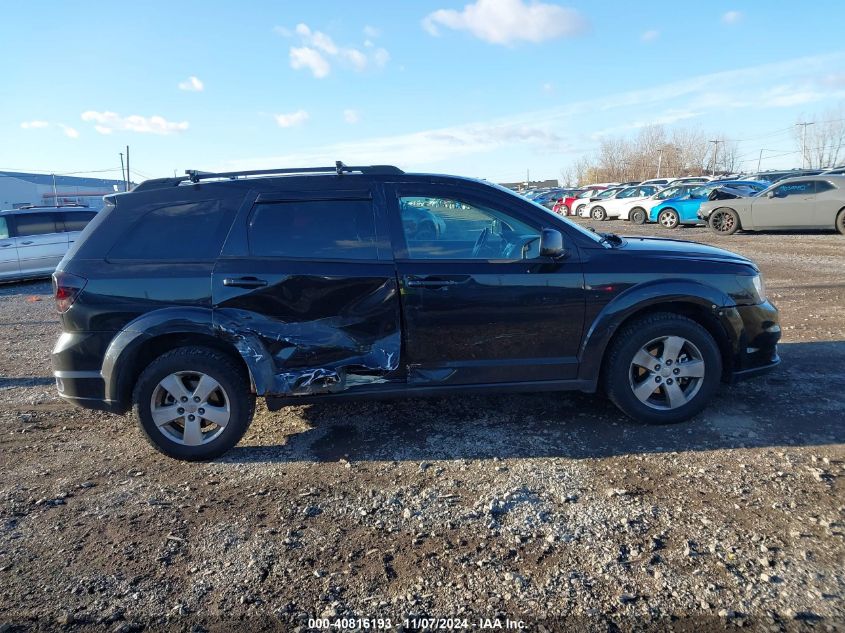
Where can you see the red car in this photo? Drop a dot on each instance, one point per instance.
(564, 205)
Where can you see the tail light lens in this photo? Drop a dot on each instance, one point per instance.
(66, 288)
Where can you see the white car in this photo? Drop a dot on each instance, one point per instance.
(613, 206)
(637, 210)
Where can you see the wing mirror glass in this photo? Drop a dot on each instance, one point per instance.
(771, 194)
(551, 244)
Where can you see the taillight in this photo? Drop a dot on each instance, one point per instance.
(66, 288)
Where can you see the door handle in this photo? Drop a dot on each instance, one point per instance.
(6, 245)
(27, 243)
(244, 282)
(431, 283)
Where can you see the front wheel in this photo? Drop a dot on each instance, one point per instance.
(663, 368)
(637, 216)
(840, 222)
(193, 403)
(579, 209)
(669, 219)
(599, 213)
(724, 221)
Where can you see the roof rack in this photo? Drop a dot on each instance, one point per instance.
(195, 176)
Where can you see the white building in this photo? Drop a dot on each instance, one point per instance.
(19, 189)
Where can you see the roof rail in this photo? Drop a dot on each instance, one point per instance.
(195, 176)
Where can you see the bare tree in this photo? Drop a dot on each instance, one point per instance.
(823, 140)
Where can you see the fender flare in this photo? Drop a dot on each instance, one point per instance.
(134, 335)
(635, 299)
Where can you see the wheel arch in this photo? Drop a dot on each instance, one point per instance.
(699, 302)
(154, 333)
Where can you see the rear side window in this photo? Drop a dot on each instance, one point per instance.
(181, 232)
(325, 229)
(4, 229)
(77, 220)
(35, 224)
(822, 186)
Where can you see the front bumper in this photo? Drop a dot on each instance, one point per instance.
(756, 330)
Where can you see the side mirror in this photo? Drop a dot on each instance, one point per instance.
(551, 243)
(771, 194)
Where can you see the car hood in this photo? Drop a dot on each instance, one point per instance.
(666, 247)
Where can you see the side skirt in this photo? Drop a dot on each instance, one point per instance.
(385, 392)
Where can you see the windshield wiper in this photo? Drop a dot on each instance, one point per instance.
(610, 238)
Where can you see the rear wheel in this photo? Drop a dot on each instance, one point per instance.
(579, 209)
(840, 222)
(637, 216)
(663, 368)
(724, 221)
(193, 403)
(669, 219)
(598, 213)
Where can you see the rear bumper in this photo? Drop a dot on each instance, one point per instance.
(77, 359)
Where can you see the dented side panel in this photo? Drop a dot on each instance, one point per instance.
(310, 330)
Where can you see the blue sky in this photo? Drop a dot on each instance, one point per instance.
(488, 88)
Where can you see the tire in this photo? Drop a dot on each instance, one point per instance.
(669, 219)
(564, 210)
(598, 213)
(665, 404)
(723, 221)
(840, 222)
(637, 216)
(180, 371)
(579, 209)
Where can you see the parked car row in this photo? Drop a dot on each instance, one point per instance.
(726, 206)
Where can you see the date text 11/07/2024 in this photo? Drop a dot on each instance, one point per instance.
(416, 624)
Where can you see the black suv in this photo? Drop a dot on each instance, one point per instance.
(187, 297)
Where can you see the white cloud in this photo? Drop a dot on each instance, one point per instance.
(69, 131)
(650, 36)
(108, 122)
(548, 87)
(371, 31)
(318, 51)
(192, 84)
(732, 17)
(508, 21)
(351, 116)
(34, 125)
(310, 58)
(292, 119)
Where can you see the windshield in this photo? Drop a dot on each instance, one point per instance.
(607, 193)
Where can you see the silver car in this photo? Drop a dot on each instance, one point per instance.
(807, 202)
(34, 240)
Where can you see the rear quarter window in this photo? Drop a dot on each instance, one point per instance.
(190, 231)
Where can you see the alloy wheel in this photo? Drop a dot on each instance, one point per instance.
(722, 221)
(667, 372)
(190, 408)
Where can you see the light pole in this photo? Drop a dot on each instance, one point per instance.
(715, 151)
(804, 141)
(659, 161)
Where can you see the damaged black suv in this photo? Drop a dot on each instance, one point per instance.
(187, 297)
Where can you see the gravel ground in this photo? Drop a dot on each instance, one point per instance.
(548, 509)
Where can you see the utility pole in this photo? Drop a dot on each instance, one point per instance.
(760, 160)
(123, 173)
(804, 141)
(128, 177)
(715, 152)
(55, 193)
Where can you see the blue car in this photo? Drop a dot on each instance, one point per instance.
(684, 209)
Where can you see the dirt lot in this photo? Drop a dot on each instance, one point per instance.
(551, 509)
